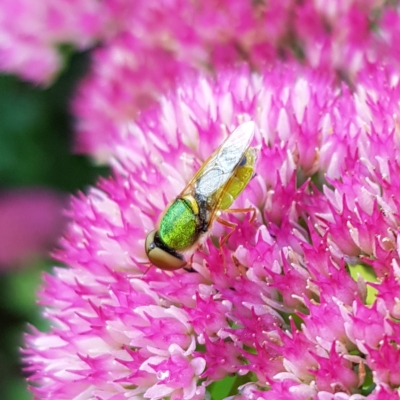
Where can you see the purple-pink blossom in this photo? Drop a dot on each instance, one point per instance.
(146, 45)
(276, 305)
(159, 42)
(31, 34)
(31, 221)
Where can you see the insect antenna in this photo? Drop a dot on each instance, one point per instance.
(150, 265)
(147, 270)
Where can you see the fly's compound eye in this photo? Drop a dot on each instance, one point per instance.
(161, 256)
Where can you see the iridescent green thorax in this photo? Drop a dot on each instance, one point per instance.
(179, 226)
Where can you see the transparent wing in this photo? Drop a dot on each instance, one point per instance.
(218, 169)
(219, 196)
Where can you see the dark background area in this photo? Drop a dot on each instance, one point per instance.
(35, 150)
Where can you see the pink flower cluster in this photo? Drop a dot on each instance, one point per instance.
(31, 32)
(145, 45)
(284, 305)
(160, 42)
(343, 34)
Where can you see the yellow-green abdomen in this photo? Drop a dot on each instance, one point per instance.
(240, 180)
(179, 226)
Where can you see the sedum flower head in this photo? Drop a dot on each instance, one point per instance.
(31, 34)
(302, 303)
(155, 43)
(342, 36)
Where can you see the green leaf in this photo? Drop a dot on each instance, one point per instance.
(368, 273)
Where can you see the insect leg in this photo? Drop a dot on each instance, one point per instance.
(232, 225)
(221, 250)
(239, 266)
(189, 267)
(243, 210)
(228, 224)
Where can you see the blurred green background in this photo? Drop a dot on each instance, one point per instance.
(35, 150)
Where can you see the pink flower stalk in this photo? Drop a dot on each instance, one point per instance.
(276, 306)
(31, 221)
